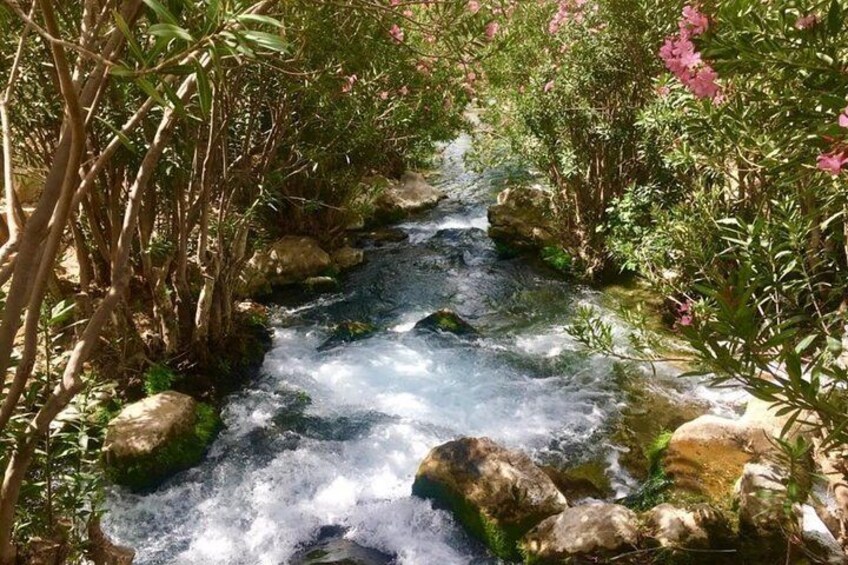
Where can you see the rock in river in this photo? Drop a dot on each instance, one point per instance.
(446, 321)
(497, 494)
(157, 437)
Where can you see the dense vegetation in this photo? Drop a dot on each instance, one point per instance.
(150, 146)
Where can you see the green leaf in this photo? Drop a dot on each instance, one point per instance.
(134, 47)
(170, 31)
(204, 90)
(266, 40)
(260, 19)
(164, 14)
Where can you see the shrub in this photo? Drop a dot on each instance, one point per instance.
(158, 378)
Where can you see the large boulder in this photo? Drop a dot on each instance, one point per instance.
(406, 196)
(497, 494)
(761, 497)
(522, 218)
(707, 455)
(291, 259)
(592, 532)
(156, 437)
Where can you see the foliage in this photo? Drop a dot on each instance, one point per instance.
(557, 258)
(584, 76)
(158, 378)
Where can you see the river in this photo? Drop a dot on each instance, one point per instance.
(325, 444)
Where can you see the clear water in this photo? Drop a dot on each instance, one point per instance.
(273, 480)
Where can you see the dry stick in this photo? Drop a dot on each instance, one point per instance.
(14, 218)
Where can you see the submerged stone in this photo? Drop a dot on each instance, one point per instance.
(495, 493)
(332, 548)
(446, 321)
(347, 332)
(154, 438)
(322, 284)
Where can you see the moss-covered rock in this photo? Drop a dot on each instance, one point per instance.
(347, 332)
(496, 494)
(446, 321)
(153, 439)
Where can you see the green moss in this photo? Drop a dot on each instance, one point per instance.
(158, 378)
(655, 489)
(501, 540)
(557, 258)
(177, 455)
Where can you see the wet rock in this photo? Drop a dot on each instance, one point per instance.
(522, 218)
(404, 197)
(254, 310)
(381, 237)
(699, 527)
(288, 260)
(446, 321)
(593, 531)
(497, 494)
(347, 258)
(588, 480)
(333, 549)
(347, 332)
(156, 437)
(707, 455)
(321, 285)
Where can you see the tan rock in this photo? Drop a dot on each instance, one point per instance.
(347, 257)
(707, 455)
(288, 260)
(760, 495)
(590, 531)
(522, 218)
(496, 493)
(698, 527)
(143, 427)
(410, 194)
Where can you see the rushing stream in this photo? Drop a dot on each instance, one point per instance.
(327, 442)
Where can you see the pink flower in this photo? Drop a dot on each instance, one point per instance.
(384, 95)
(806, 22)
(473, 6)
(843, 118)
(548, 86)
(832, 162)
(404, 90)
(492, 30)
(397, 33)
(349, 82)
(694, 22)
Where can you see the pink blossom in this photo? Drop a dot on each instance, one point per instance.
(806, 22)
(693, 23)
(832, 162)
(384, 95)
(548, 86)
(473, 6)
(349, 82)
(397, 33)
(404, 90)
(843, 118)
(492, 30)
